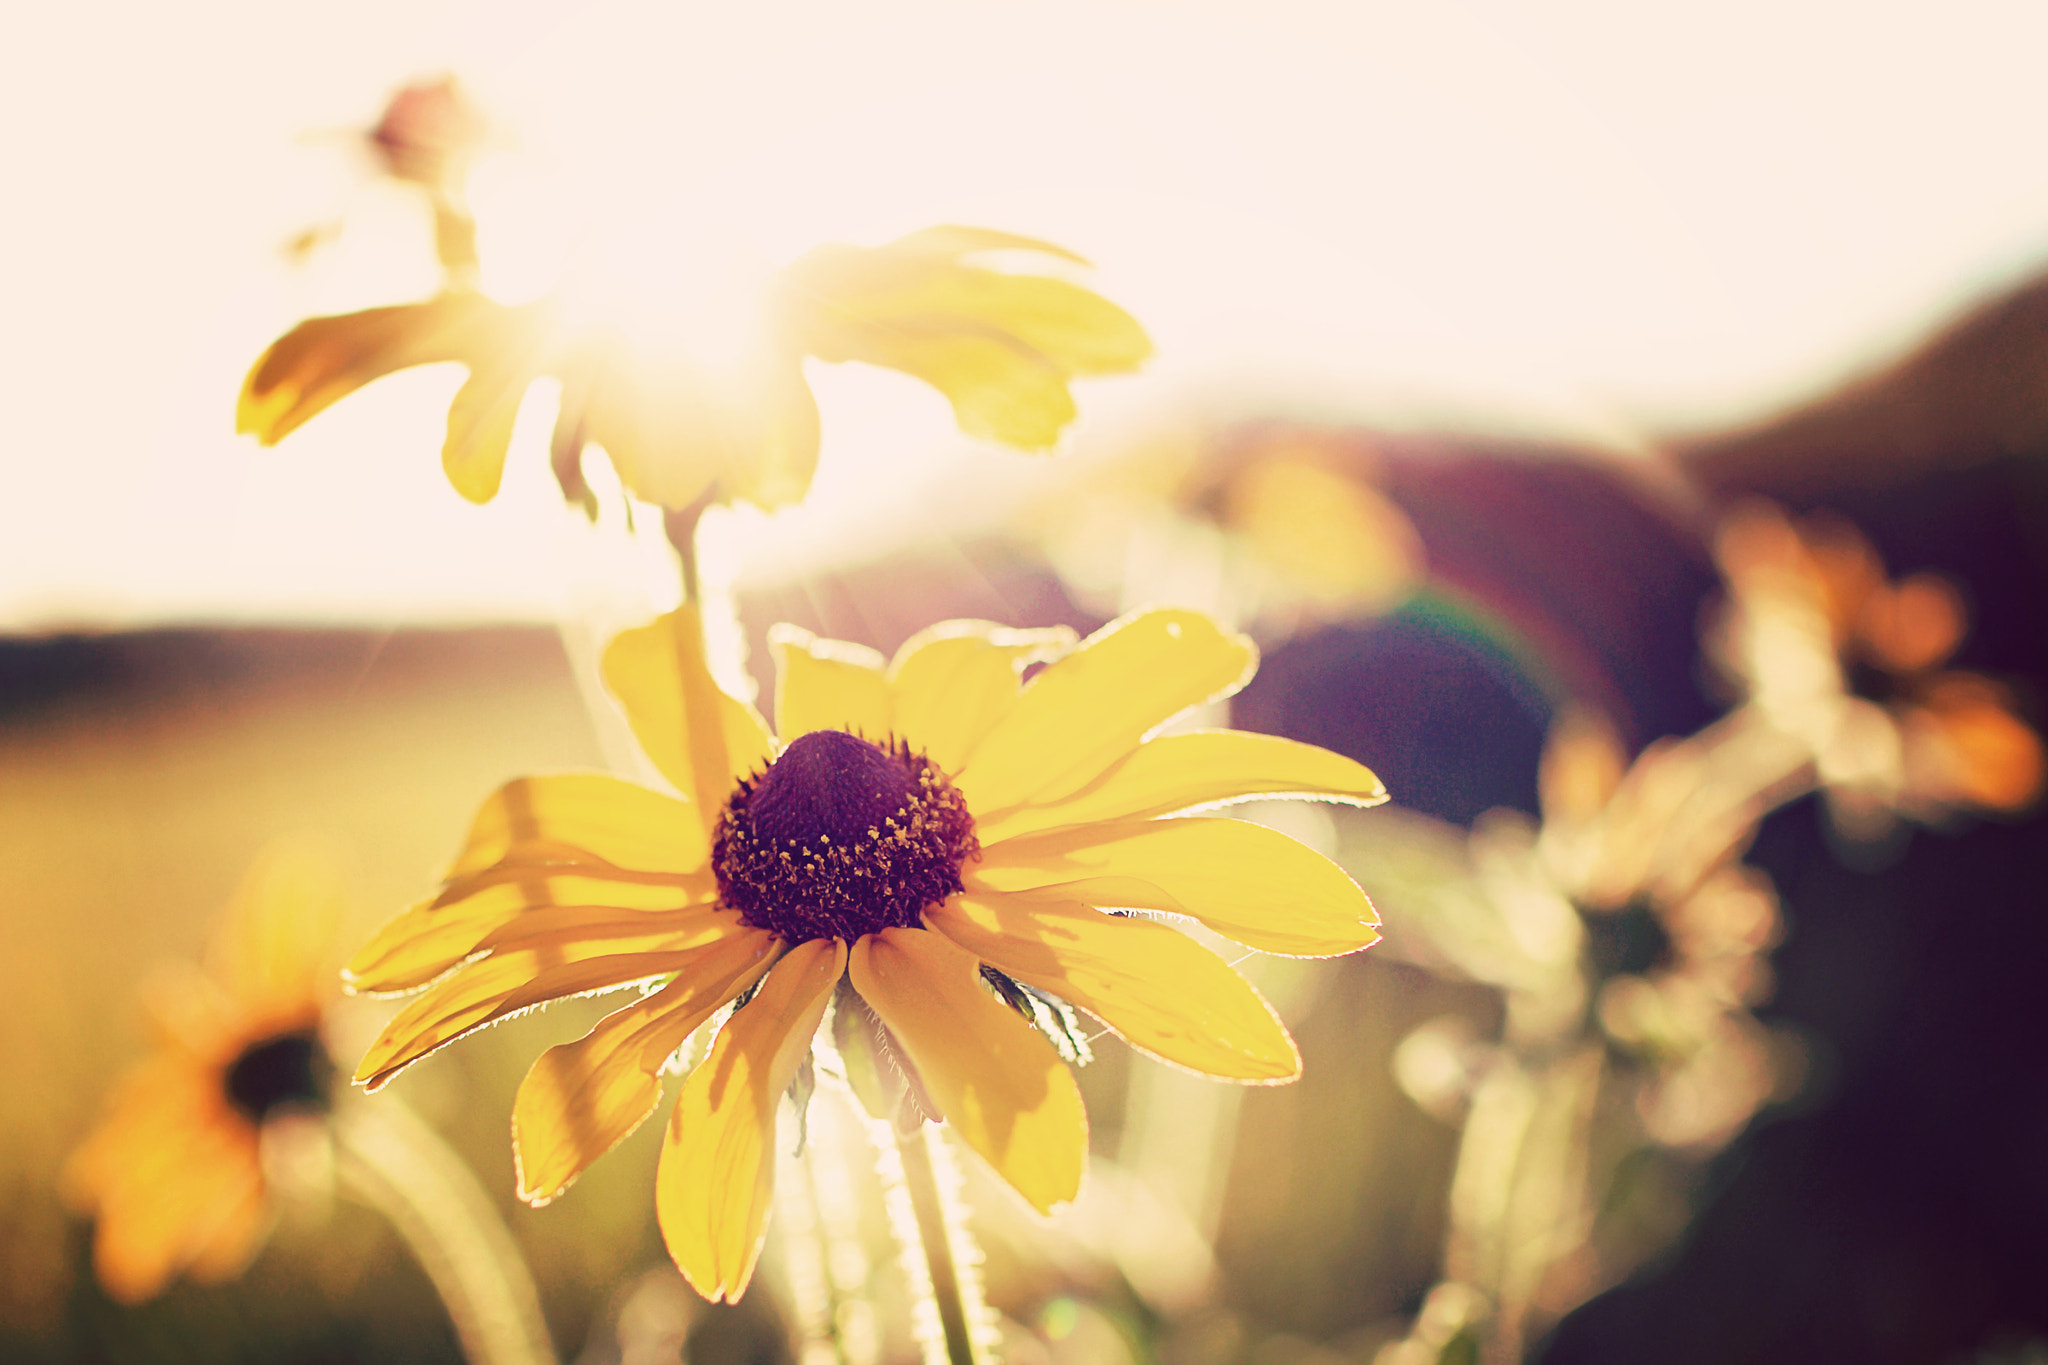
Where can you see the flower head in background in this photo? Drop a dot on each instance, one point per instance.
(1294, 523)
(1830, 649)
(1001, 346)
(1678, 929)
(1629, 945)
(939, 834)
(429, 134)
(173, 1174)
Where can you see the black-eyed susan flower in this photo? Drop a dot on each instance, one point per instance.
(173, 1173)
(1001, 346)
(934, 832)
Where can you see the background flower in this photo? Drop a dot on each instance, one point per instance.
(1828, 648)
(173, 1173)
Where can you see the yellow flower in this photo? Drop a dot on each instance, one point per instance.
(172, 1171)
(932, 830)
(1001, 347)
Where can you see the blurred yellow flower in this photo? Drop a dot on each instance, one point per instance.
(172, 1173)
(1323, 533)
(932, 829)
(1001, 347)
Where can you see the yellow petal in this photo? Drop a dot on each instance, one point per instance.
(827, 685)
(149, 1106)
(1090, 709)
(953, 241)
(1073, 329)
(1175, 773)
(953, 683)
(673, 432)
(238, 1218)
(667, 436)
(277, 945)
(188, 1012)
(511, 980)
(777, 471)
(540, 930)
(1000, 389)
(615, 822)
(701, 739)
(1000, 346)
(994, 1077)
(1158, 988)
(171, 1201)
(855, 297)
(480, 424)
(430, 938)
(1250, 884)
(717, 1170)
(546, 880)
(582, 1099)
(325, 359)
(424, 942)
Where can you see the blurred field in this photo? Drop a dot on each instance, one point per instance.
(139, 774)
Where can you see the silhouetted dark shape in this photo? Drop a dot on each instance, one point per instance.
(1977, 391)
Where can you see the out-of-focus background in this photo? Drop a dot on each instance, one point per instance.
(1535, 300)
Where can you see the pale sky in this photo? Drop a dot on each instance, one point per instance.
(1584, 218)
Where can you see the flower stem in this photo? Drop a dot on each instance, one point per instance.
(943, 1239)
(455, 238)
(399, 1166)
(680, 525)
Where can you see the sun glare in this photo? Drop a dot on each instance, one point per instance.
(650, 262)
(675, 256)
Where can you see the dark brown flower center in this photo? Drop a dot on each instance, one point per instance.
(289, 1069)
(840, 838)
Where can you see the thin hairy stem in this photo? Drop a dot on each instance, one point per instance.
(944, 1240)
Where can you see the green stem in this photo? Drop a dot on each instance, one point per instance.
(399, 1166)
(933, 1230)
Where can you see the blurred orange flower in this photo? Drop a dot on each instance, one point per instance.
(172, 1173)
(1833, 650)
(1001, 347)
(932, 830)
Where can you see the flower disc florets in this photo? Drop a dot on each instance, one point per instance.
(286, 1069)
(840, 838)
